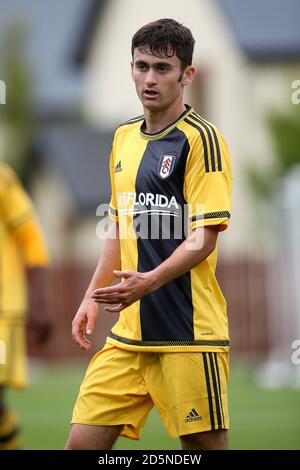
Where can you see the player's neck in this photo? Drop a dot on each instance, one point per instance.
(156, 121)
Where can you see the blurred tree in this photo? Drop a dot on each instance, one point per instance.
(285, 132)
(277, 187)
(17, 115)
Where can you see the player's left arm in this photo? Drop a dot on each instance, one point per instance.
(207, 190)
(192, 251)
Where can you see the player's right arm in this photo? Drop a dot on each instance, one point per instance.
(87, 313)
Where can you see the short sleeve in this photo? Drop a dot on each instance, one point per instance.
(113, 207)
(16, 206)
(208, 183)
(20, 219)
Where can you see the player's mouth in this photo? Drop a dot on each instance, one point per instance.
(150, 94)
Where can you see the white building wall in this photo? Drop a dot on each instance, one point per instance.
(239, 93)
(110, 94)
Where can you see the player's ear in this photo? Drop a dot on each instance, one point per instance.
(131, 65)
(188, 75)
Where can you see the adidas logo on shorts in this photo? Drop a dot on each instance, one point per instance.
(192, 416)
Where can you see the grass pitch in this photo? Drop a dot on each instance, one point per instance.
(260, 419)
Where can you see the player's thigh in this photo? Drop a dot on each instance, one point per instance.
(88, 437)
(208, 440)
(114, 392)
(190, 391)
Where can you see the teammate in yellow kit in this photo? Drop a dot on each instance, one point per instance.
(23, 261)
(171, 185)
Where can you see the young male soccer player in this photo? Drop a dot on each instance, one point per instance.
(24, 261)
(169, 348)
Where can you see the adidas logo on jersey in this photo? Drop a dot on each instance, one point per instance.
(118, 167)
(193, 416)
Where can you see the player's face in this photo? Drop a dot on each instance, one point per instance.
(159, 82)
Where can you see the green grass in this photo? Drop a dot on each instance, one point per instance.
(260, 419)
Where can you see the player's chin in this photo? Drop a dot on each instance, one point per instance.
(149, 103)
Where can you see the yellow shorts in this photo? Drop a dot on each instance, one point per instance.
(13, 361)
(121, 387)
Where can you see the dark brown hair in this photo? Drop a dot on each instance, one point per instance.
(165, 38)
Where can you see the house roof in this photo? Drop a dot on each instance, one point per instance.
(81, 154)
(265, 29)
(93, 12)
(52, 29)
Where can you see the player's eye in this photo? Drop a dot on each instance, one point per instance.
(162, 68)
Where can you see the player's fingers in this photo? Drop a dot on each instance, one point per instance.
(118, 308)
(106, 296)
(114, 300)
(121, 274)
(79, 341)
(109, 290)
(90, 325)
(117, 297)
(85, 343)
(77, 335)
(82, 342)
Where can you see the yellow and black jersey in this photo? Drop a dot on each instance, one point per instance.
(21, 244)
(164, 185)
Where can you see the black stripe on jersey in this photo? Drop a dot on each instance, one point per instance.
(167, 314)
(136, 119)
(200, 119)
(9, 436)
(216, 391)
(135, 342)
(133, 120)
(203, 142)
(219, 384)
(211, 215)
(211, 145)
(210, 402)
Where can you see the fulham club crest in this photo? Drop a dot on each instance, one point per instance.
(166, 165)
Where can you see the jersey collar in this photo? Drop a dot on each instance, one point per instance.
(166, 130)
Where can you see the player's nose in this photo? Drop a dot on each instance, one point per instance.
(151, 78)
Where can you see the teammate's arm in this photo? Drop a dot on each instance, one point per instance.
(87, 313)
(18, 214)
(36, 260)
(191, 252)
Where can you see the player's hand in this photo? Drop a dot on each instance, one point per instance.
(39, 330)
(40, 321)
(134, 286)
(84, 323)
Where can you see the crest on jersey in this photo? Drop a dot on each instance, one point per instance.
(166, 165)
